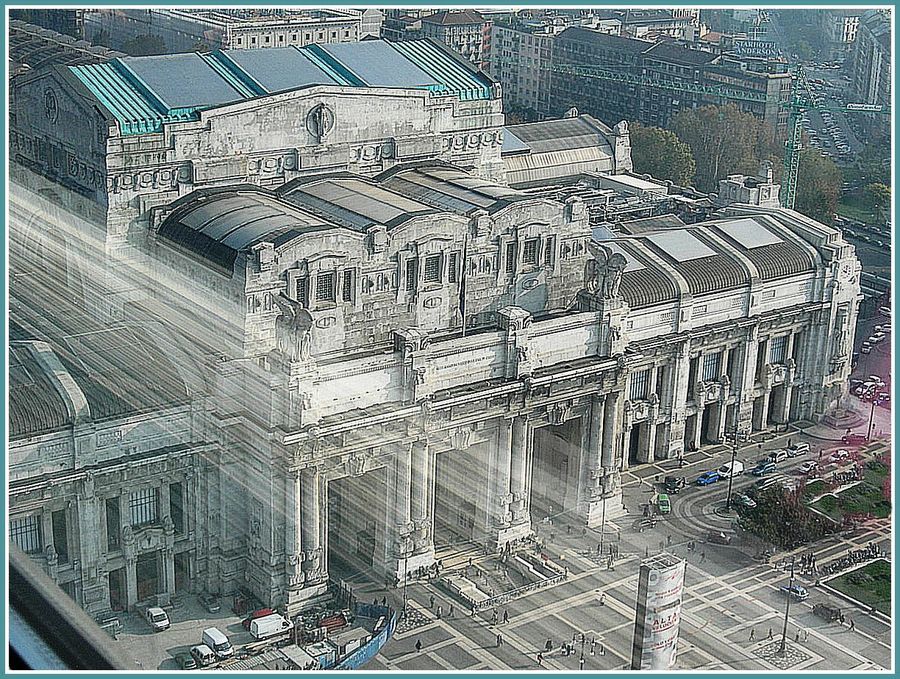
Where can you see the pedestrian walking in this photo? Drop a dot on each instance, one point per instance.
(702, 557)
(752, 633)
(581, 663)
(584, 531)
(603, 598)
(431, 600)
(440, 612)
(668, 540)
(568, 529)
(418, 645)
(797, 637)
(852, 625)
(770, 633)
(540, 658)
(384, 601)
(598, 548)
(499, 640)
(549, 645)
(450, 611)
(574, 636)
(494, 618)
(842, 618)
(592, 646)
(505, 616)
(602, 650)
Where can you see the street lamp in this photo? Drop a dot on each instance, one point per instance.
(405, 581)
(787, 610)
(872, 415)
(736, 437)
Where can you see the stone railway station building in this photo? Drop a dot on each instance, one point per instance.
(301, 318)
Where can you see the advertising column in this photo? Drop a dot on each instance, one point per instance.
(658, 613)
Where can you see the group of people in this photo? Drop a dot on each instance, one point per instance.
(852, 558)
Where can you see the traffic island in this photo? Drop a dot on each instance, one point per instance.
(868, 585)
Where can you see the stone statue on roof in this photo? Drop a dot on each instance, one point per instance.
(603, 272)
(292, 329)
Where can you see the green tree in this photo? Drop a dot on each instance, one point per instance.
(818, 186)
(879, 194)
(723, 140)
(144, 45)
(660, 153)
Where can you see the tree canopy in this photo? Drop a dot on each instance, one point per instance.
(818, 186)
(660, 153)
(723, 140)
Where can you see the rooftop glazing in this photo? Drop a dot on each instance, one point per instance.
(144, 93)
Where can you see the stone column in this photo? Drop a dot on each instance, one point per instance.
(590, 489)
(130, 553)
(421, 482)
(307, 576)
(521, 451)
(651, 439)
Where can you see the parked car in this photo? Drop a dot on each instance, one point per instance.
(808, 467)
(674, 483)
(186, 661)
(827, 612)
(876, 380)
(157, 618)
(876, 338)
(866, 348)
(259, 613)
(777, 456)
(885, 311)
(884, 399)
(798, 449)
(707, 478)
(718, 537)
(663, 503)
(851, 439)
(798, 592)
(203, 655)
(839, 454)
(767, 467)
(209, 602)
(745, 500)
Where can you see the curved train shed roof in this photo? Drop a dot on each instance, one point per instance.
(144, 93)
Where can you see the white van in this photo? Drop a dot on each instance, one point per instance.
(269, 626)
(203, 655)
(726, 470)
(218, 642)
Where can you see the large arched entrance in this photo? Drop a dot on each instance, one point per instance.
(555, 468)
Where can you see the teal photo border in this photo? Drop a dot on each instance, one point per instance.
(824, 4)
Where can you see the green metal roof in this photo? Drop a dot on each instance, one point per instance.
(145, 93)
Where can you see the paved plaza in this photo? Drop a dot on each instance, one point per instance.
(728, 593)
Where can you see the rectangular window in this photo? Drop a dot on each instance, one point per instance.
(303, 292)
(325, 287)
(452, 266)
(550, 251)
(712, 364)
(692, 377)
(761, 359)
(25, 532)
(412, 275)
(347, 286)
(733, 362)
(640, 385)
(510, 258)
(433, 269)
(113, 523)
(176, 506)
(60, 535)
(144, 505)
(778, 349)
(530, 254)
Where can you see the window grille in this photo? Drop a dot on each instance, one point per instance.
(25, 532)
(640, 385)
(452, 267)
(711, 366)
(550, 251)
(510, 258)
(412, 274)
(433, 269)
(325, 287)
(347, 286)
(530, 254)
(144, 506)
(778, 349)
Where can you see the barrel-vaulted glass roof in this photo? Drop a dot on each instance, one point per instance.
(144, 93)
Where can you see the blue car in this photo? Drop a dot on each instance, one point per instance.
(707, 478)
